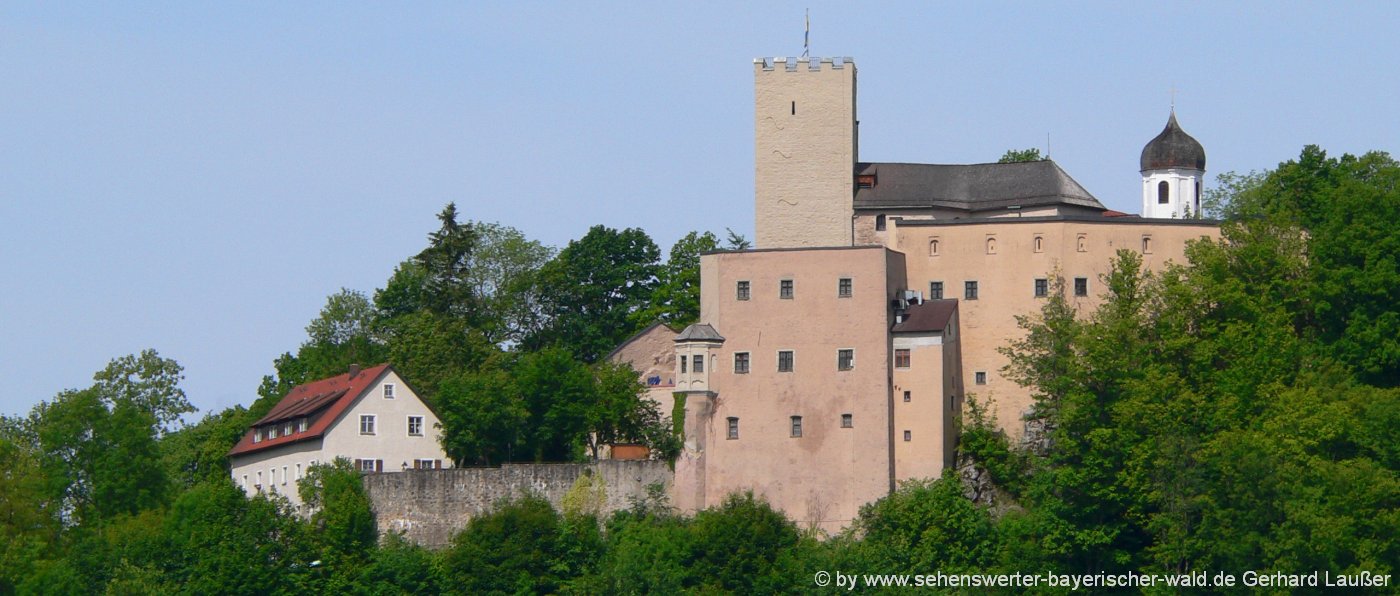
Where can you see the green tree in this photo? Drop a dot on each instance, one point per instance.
(735, 547)
(592, 288)
(517, 548)
(1021, 155)
(484, 416)
(676, 300)
(342, 517)
(221, 542)
(928, 524)
(501, 271)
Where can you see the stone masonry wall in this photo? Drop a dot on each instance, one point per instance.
(430, 506)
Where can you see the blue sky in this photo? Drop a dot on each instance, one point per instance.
(197, 178)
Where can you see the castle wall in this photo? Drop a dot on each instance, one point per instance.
(822, 477)
(1000, 255)
(430, 506)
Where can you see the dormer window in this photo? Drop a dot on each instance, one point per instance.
(388, 391)
(287, 429)
(257, 435)
(272, 432)
(301, 425)
(865, 181)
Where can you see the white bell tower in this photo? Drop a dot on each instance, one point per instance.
(1173, 173)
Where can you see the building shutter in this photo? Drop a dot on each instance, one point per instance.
(379, 465)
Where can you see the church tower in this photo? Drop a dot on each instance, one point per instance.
(1173, 170)
(804, 151)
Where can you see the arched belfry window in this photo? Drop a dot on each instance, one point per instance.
(880, 222)
(1162, 191)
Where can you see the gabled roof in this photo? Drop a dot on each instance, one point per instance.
(969, 187)
(329, 397)
(637, 336)
(931, 315)
(699, 332)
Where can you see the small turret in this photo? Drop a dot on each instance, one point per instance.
(1173, 171)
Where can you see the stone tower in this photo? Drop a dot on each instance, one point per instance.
(1173, 170)
(804, 151)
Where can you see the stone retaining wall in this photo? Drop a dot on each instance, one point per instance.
(430, 506)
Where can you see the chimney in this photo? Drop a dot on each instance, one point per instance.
(354, 370)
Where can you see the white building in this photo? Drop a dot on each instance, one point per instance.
(370, 417)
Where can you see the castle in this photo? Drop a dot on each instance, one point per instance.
(835, 359)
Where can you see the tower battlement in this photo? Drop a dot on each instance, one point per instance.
(791, 64)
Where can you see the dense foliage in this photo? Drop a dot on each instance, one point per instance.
(1235, 412)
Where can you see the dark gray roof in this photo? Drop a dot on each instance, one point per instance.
(1173, 148)
(932, 315)
(971, 187)
(699, 332)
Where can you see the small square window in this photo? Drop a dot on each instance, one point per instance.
(415, 426)
(388, 391)
(366, 424)
(785, 289)
(741, 290)
(845, 359)
(1042, 288)
(733, 428)
(980, 377)
(796, 426)
(785, 361)
(935, 290)
(843, 287)
(697, 364)
(741, 363)
(901, 358)
(907, 397)
(908, 436)
(970, 290)
(846, 421)
(1081, 286)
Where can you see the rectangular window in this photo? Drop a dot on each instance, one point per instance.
(415, 426)
(845, 359)
(1081, 286)
(970, 290)
(741, 363)
(388, 391)
(785, 289)
(366, 424)
(843, 287)
(741, 290)
(1042, 287)
(301, 425)
(901, 358)
(284, 474)
(697, 364)
(272, 432)
(980, 377)
(846, 421)
(257, 435)
(796, 426)
(907, 397)
(908, 436)
(684, 361)
(367, 465)
(287, 429)
(245, 482)
(785, 361)
(935, 290)
(425, 464)
(298, 471)
(733, 428)
(259, 484)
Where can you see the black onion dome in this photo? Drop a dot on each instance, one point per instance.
(1173, 149)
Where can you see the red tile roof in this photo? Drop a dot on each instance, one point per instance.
(330, 396)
